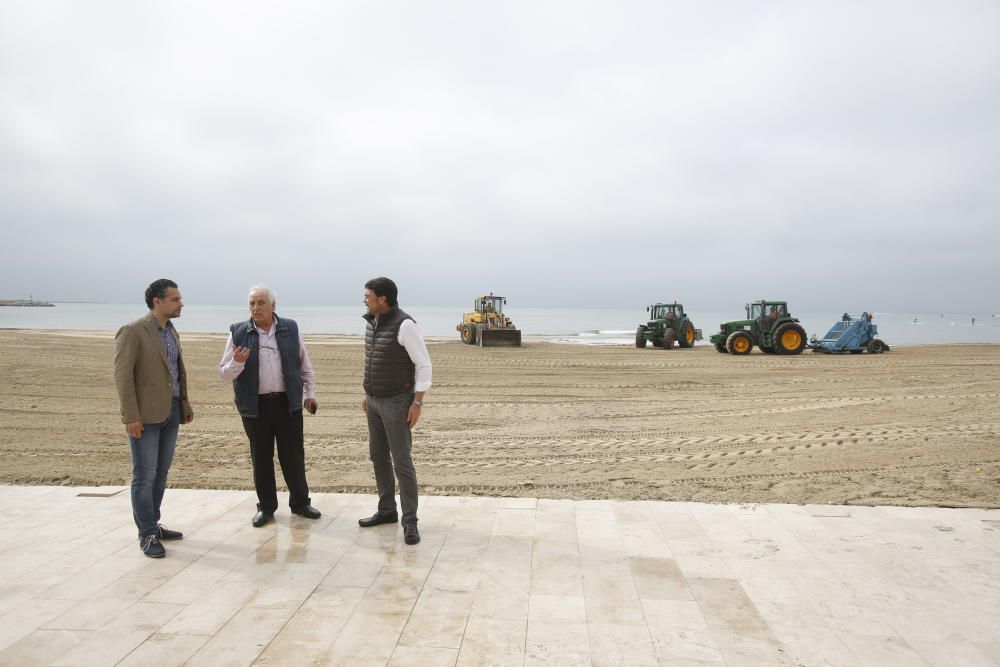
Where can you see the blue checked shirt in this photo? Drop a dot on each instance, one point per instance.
(173, 352)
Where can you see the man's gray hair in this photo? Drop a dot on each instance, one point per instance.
(270, 293)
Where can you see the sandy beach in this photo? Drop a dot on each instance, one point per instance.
(917, 426)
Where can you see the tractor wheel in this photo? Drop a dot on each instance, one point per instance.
(739, 342)
(640, 336)
(668, 339)
(876, 346)
(789, 338)
(468, 334)
(720, 347)
(686, 337)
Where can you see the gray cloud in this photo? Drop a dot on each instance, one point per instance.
(839, 155)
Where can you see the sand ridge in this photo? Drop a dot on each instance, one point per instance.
(917, 426)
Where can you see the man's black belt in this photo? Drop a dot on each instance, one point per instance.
(272, 395)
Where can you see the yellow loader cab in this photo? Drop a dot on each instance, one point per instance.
(487, 325)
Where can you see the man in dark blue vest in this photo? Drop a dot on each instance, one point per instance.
(267, 362)
(397, 373)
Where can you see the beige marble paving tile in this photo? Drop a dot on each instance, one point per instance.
(434, 630)
(737, 627)
(659, 578)
(611, 599)
(493, 641)
(290, 586)
(563, 644)
(243, 638)
(41, 647)
(285, 652)
(29, 616)
(954, 649)
(461, 576)
(444, 602)
(209, 613)
(322, 616)
(551, 609)
(367, 639)
(190, 583)
(116, 639)
(620, 645)
(502, 597)
(394, 591)
(684, 644)
(516, 522)
(164, 650)
(89, 614)
(354, 569)
(415, 656)
(877, 651)
(813, 646)
(676, 613)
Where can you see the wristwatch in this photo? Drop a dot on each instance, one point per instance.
(417, 403)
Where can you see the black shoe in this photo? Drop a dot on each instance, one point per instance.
(151, 547)
(262, 517)
(165, 533)
(410, 533)
(377, 518)
(308, 511)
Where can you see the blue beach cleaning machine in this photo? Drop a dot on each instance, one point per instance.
(850, 334)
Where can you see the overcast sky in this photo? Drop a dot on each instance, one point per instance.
(842, 155)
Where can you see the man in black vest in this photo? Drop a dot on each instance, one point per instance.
(267, 362)
(397, 373)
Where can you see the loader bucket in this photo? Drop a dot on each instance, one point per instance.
(500, 338)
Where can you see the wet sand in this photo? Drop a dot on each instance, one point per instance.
(917, 426)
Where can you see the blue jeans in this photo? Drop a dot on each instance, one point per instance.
(152, 454)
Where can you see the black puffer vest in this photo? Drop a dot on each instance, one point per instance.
(388, 368)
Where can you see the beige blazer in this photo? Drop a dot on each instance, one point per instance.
(142, 374)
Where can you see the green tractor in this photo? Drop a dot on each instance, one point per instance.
(768, 326)
(667, 324)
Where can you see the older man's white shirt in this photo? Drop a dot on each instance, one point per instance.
(272, 379)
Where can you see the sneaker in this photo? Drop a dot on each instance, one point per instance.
(151, 547)
(165, 533)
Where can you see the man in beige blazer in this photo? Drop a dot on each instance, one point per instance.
(152, 393)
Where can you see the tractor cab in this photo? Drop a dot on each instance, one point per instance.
(488, 305)
(769, 309)
(666, 311)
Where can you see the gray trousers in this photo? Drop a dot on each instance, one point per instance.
(389, 443)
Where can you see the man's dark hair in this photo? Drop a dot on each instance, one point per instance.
(382, 286)
(158, 290)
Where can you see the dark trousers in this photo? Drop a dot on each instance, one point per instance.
(389, 443)
(275, 423)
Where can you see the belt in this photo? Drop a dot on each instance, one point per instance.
(272, 395)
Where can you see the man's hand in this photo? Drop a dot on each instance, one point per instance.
(311, 405)
(364, 404)
(413, 415)
(241, 354)
(134, 429)
(189, 418)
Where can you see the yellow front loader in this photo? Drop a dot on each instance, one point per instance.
(487, 325)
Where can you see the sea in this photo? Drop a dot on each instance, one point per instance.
(571, 326)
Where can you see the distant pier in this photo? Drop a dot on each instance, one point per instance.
(26, 303)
